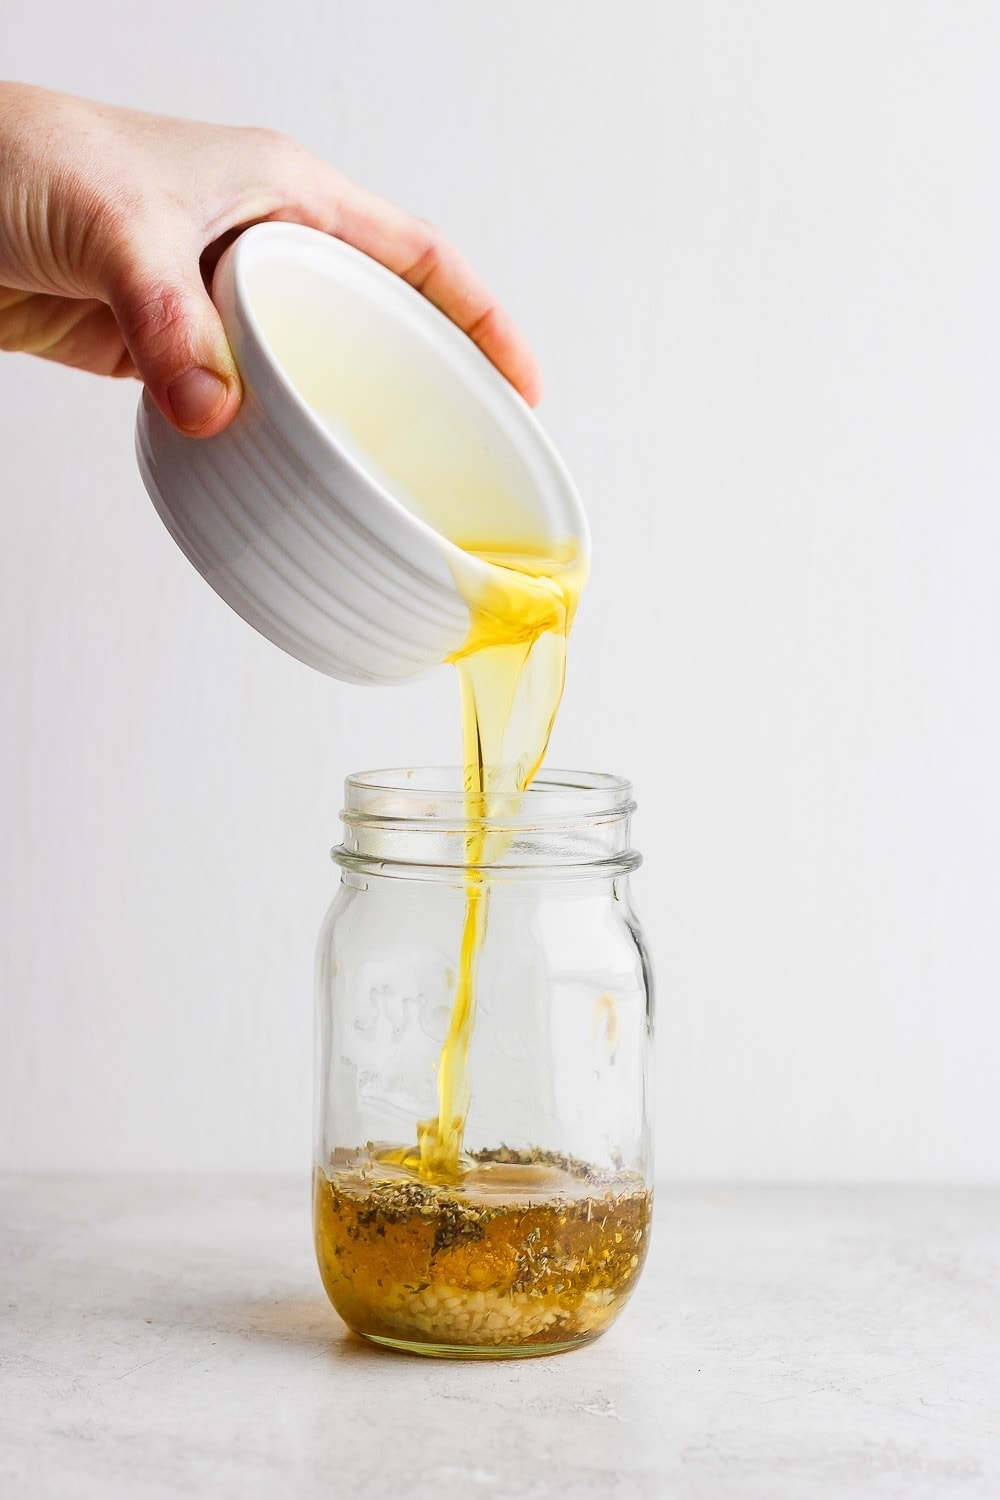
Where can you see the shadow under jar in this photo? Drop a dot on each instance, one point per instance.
(534, 1240)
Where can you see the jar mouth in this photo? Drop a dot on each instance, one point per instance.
(570, 821)
(436, 794)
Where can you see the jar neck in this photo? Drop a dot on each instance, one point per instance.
(422, 823)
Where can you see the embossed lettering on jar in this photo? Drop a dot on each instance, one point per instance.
(535, 1241)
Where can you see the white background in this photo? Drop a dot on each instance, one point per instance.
(756, 248)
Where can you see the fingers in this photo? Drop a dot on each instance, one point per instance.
(438, 271)
(171, 328)
(319, 196)
(83, 333)
(175, 338)
(211, 181)
(431, 264)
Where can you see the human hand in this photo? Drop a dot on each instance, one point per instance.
(110, 220)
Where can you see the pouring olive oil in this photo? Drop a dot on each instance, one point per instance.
(511, 672)
(495, 1251)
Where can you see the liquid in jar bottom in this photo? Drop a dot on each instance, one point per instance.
(528, 1253)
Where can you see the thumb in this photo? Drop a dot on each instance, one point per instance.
(176, 339)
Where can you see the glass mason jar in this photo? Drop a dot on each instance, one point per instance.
(532, 1238)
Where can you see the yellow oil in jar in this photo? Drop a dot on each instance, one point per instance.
(524, 1254)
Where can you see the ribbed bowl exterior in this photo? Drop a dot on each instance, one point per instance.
(280, 540)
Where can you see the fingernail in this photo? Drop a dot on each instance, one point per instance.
(196, 397)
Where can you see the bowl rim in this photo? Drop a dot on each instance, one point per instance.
(229, 288)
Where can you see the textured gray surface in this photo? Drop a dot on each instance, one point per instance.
(168, 1337)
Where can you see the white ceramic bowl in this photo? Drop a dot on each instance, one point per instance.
(370, 425)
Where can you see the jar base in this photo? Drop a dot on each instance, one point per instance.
(526, 1254)
(477, 1351)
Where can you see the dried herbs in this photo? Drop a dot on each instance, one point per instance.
(528, 1247)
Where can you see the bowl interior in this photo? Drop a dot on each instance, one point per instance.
(405, 393)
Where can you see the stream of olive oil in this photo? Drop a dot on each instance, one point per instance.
(511, 675)
(511, 671)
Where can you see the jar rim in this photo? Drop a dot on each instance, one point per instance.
(571, 823)
(437, 794)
